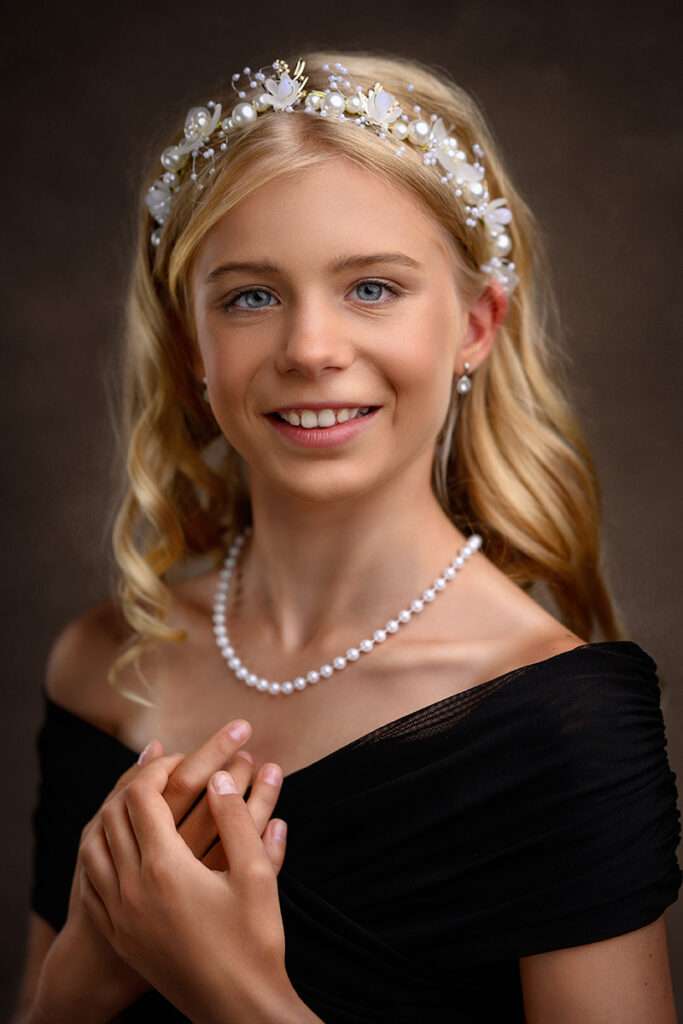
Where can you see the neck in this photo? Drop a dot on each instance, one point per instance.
(310, 571)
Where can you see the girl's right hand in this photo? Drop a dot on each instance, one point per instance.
(82, 977)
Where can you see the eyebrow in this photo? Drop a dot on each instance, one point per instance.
(335, 266)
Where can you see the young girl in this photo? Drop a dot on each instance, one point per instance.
(340, 393)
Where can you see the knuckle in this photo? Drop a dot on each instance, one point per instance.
(259, 874)
(158, 873)
(181, 784)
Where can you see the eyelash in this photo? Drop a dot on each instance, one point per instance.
(229, 303)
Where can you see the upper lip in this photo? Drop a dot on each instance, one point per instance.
(323, 405)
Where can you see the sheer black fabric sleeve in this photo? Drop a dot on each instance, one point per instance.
(78, 766)
(588, 835)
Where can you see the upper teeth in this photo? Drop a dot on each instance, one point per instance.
(324, 418)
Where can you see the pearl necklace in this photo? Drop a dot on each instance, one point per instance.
(353, 653)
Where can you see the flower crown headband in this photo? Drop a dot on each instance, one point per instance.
(376, 110)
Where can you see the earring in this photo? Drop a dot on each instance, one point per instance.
(205, 393)
(464, 383)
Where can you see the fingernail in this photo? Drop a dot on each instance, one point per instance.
(239, 730)
(143, 753)
(271, 773)
(246, 755)
(280, 830)
(223, 782)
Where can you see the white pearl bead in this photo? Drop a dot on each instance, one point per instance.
(366, 646)
(252, 679)
(405, 615)
(428, 595)
(339, 663)
(300, 683)
(262, 684)
(417, 605)
(274, 687)
(503, 243)
(172, 159)
(326, 671)
(475, 541)
(243, 113)
(354, 104)
(392, 626)
(473, 191)
(234, 663)
(242, 672)
(419, 131)
(312, 676)
(450, 573)
(399, 130)
(287, 687)
(379, 636)
(334, 103)
(353, 654)
(440, 583)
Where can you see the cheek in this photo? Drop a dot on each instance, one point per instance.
(423, 366)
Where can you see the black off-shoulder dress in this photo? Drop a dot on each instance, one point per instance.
(532, 812)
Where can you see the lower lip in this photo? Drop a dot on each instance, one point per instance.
(323, 437)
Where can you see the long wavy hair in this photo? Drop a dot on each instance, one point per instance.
(510, 461)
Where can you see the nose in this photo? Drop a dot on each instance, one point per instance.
(313, 341)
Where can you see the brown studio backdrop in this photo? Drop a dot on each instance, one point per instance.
(584, 102)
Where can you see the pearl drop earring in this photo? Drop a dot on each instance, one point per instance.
(464, 383)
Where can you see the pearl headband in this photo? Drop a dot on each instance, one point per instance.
(377, 110)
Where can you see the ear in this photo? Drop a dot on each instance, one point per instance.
(484, 317)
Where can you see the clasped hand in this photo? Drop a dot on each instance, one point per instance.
(198, 920)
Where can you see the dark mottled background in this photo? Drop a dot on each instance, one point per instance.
(584, 99)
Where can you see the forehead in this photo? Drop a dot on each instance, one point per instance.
(333, 206)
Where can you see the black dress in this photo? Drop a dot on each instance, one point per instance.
(532, 812)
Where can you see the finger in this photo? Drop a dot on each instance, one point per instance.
(94, 906)
(198, 828)
(94, 857)
(275, 842)
(118, 831)
(151, 818)
(189, 780)
(128, 775)
(240, 838)
(264, 794)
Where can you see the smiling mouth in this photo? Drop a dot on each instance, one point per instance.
(365, 411)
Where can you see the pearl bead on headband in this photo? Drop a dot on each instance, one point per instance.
(377, 110)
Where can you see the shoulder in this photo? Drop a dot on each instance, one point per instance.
(86, 646)
(78, 661)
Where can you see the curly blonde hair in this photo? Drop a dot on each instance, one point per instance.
(511, 462)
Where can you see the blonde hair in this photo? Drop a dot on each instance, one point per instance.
(511, 462)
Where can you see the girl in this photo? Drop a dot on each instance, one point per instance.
(339, 391)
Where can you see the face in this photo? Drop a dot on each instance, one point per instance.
(310, 329)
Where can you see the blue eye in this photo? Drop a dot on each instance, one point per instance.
(233, 303)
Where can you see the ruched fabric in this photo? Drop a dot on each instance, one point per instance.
(533, 812)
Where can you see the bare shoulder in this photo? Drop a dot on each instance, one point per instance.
(79, 659)
(83, 652)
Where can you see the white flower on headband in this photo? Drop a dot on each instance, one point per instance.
(282, 94)
(377, 110)
(381, 107)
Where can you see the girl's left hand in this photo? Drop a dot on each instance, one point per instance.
(211, 941)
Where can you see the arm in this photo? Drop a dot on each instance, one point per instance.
(41, 935)
(622, 980)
